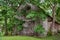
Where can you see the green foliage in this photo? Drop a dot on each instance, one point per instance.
(11, 24)
(19, 24)
(8, 9)
(42, 16)
(35, 2)
(19, 27)
(31, 14)
(39, 29)
(58, 15)
(1, 34)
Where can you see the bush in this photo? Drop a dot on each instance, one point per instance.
(2, 33)
(39, 29)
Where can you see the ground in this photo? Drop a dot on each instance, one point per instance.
(57, 37)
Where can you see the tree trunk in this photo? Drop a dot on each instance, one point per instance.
(6, 31)
(54, 18)
(14, 30)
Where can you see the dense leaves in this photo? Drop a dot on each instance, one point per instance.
(39, 29)
(8, 10)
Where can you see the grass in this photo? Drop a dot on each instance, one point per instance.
(29, 38)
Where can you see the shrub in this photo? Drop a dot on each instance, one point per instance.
(39, 29)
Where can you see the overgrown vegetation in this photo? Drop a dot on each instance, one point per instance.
(39, 29)
(18, 16)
